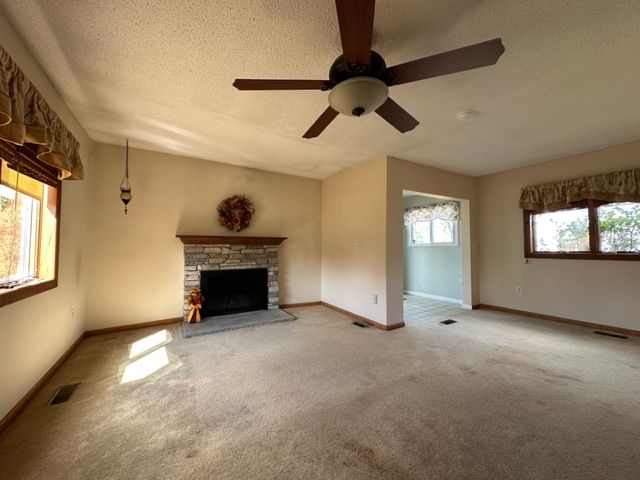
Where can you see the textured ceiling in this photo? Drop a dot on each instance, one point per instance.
(160, 72)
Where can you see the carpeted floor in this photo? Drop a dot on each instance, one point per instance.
(494, 397)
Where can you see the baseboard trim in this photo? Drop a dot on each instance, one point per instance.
(302, 304)
(18, 407)
(355, 316)
(132, 326)
(553, 318)
(434, 297)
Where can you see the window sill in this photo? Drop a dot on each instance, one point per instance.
(586, 256)
(25, 291)
(432, 244)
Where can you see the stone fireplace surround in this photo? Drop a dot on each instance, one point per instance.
(230, 253)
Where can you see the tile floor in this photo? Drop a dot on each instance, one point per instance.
(417, 308)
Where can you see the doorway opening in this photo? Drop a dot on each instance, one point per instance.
(433, 257)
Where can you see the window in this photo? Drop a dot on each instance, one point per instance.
(589, 230)
(434, 232)
(29, 210)
(619, 227)
(561, 231)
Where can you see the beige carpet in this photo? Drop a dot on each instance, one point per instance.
(492, 397)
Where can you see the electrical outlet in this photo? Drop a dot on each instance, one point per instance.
(518, 290)
(374, 299)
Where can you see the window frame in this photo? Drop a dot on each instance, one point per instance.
(455, 243)
(594, 237)
(32, 167)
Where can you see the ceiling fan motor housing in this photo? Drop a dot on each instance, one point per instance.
(340, 71)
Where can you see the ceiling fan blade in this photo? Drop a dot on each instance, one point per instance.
(321, 123)
(355, 18)
(397, 116)
(259, 84)
(465, 58)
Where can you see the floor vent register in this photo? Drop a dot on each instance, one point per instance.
(448, 321)
(63, 394)
(361, 324)
(610, 334)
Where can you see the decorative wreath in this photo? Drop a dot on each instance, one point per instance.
(235, 212)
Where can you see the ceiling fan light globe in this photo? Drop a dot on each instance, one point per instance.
(358, 96)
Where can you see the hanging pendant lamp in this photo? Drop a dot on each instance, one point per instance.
(125, 186)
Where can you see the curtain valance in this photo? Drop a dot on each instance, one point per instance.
(426, 213)
(25, 117)
(623, 186)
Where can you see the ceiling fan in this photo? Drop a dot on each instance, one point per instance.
(359, 79)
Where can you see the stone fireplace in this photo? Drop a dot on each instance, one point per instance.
(213, 264)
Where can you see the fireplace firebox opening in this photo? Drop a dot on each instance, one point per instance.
(234, 291)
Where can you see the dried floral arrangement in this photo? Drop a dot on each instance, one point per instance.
(235, 212)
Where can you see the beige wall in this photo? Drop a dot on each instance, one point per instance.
(353, 239)
(589, 290)
(137, 261)
(403, 175)
(36, 331)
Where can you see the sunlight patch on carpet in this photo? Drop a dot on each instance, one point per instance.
(149, 343)
(145, 366)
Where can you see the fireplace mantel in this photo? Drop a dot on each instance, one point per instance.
(229, 240)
